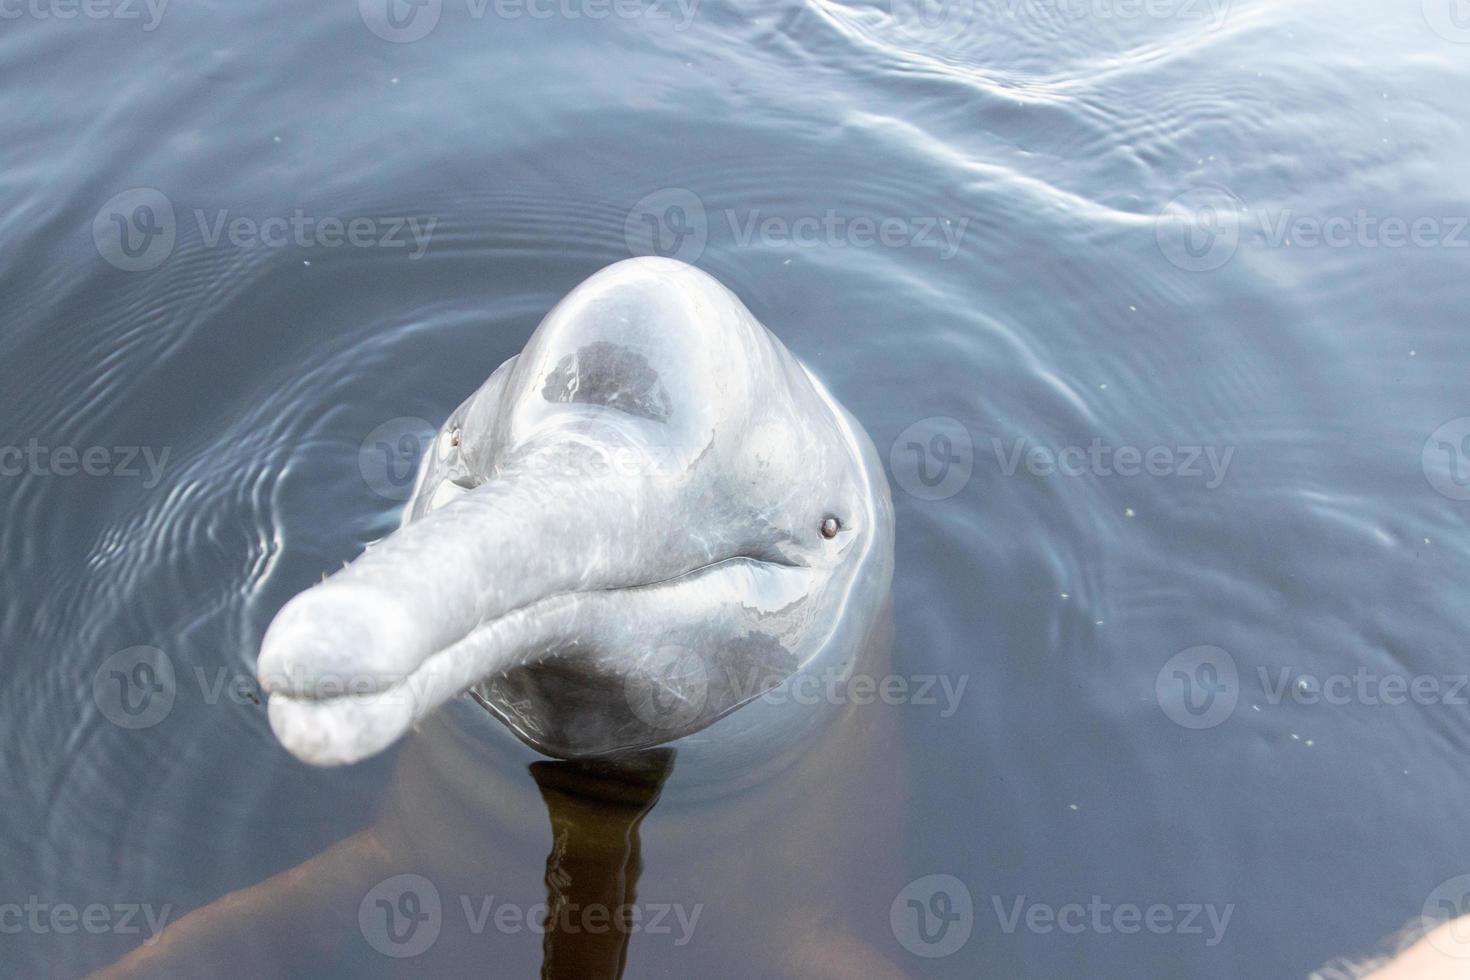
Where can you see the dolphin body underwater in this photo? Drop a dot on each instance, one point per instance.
(651, 536)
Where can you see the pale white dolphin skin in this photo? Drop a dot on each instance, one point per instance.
(648, 518)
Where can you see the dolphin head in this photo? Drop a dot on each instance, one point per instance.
(650, 516)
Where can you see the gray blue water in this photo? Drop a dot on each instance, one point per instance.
(1156, 308)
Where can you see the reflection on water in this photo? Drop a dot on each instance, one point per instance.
(1056, 257)
(592, 871)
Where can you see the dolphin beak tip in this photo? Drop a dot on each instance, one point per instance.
(337, 639)
(332, 663)
(338, 732)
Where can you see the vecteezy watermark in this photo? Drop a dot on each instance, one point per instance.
(1201, 687)
(94, 918)
(674, 223)
(839, 687)
(1210, 13)
(403, 916)
(832, 229)
(1198, 687)
(1202, 229)
(406, 21)
(933, 458)
(930, 22)
(677, 687)
(390, 456)
(1208, 463)
(933, 916)
(671, 222)
(1449, 903)
(1450, 19)
(303, 230)
(137, 230)
(136, 688)
(1361, 229)
(1199, 230)
(1446, 459)
(126, 462)
(1364, 687)
(671, 688)
(146, 13)
(668, 690)
(1205, 919)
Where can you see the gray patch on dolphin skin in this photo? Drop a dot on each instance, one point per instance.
(602, 373)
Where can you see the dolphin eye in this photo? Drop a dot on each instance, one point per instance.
(454, 466)
(830, 527)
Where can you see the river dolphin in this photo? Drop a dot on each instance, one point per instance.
(653, 535)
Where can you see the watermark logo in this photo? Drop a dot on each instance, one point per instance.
(400, 21)
(36, 459)
(674, 223)
(406, 21)
(401, 916)
(1198, 688)
(1365, 687)
(840, 686)
(575, 918)
(1450, 19)
(1446, 459)
(135, 230)
(928, 22)
(404, 916)
(831, 230)
(1207, 463)
(670, 223)
(1199, 230)
(303, 230)
(1211, 13)
(933, 916)
(1449, 902)
(148, 12)
(135, 688)
(138, 687)
(390, 456)
(933, 458)
(595, 462)
(667, 690)
(1106, 918)
(1286, 228)
(672, 689)
(95, 919)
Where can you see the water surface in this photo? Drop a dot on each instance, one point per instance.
(1015, 237)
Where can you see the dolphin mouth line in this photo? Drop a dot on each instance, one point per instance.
(446, 666)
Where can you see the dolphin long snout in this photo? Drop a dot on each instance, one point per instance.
(433, 581)
(472, 589)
